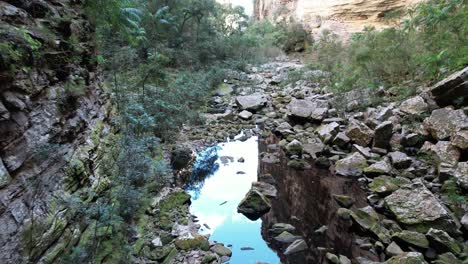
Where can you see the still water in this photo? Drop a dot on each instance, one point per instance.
(215, 197)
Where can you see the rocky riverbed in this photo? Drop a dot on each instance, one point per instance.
(354, 181)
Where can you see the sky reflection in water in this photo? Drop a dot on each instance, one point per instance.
(226, 185)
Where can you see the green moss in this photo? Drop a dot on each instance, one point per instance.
(170, 256)
(173, 201)
(198, 242)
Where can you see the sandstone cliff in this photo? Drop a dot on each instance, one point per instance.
(341, 16)
(50, 103)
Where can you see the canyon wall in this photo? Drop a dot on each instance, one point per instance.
(341, 16)
(51, 106)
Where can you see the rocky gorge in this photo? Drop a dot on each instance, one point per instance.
(342, 178)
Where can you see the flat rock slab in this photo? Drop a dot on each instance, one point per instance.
(417, 208)
(252, 102)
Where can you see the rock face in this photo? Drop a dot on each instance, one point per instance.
(416, 207)
(45, 113)
(445, 122)
(341, 16)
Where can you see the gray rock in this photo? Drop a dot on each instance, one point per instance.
(297, 246)
(451, 89)
(400, 160)
(368, 220)
(5, 177)
(279, 228)
(295, 147)
(352, 165)
(14, 100)
(445, 122)
(221, 250)
(285, 129)
(461, 174)
(314, 148)
(341, 140)
(417, 208)
(308, 109)
(382, 135)
(393, 250)
(414, 106)
(327, 132)
(464, 221)
(254, 205)
(442, 241)
(4, 114)
(266, 189)
(411, 238)
(246, 115)
(359, 133)
(379, 168)
(407, 258)
(343, 200)
(446, 152)
(344, 260)
(252, 102)
(332, 258)
(286, 237)
(460, 140)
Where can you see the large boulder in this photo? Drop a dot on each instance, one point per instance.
(385, 185)
(252, 102)
(411, 238)
(296, 246)
(451, 89)
(445, 122)
(461, 174)
(446, 153)
(407, 258)
(359, 133)
(414, 106)
(221, 250)
(327, 132)
(382, 135)
(460, 140)
(352, 165)
(254, 205)
(442, 241)
(308, 109)
(379, 168)
(400, 160)
(368, 220)
(418, 209)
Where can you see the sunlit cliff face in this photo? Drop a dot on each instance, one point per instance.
(341, 16)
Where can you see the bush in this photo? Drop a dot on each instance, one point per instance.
(425, 48)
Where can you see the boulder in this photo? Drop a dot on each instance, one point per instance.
(246, 115)
(297, 246)
(446, 153)
(442, 241)
(400, 160)
(451, 89)
(295, 147)
(198, 242)
(266, 189)
(368, 220)
(279, 228)
(385, 185)
(393, 250)
(221, 250)
(445, 122)
(327, 132)
(305, 109)
(359, 133)
(411, 238)
(254, 205)
(352, 165)
(343, 200)
(414, 106)
(407, 258)
(379, 168)
(418, 209)
(286, 237)
(447, 258)
(332, 258)
(461, 174)
(460, 140)
(285, 129)
(252, 102)
(314, 148)
(341, 140)
(382, 135)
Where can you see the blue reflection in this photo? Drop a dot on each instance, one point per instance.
(215, 197)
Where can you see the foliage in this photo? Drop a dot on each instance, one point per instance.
(427, 46)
